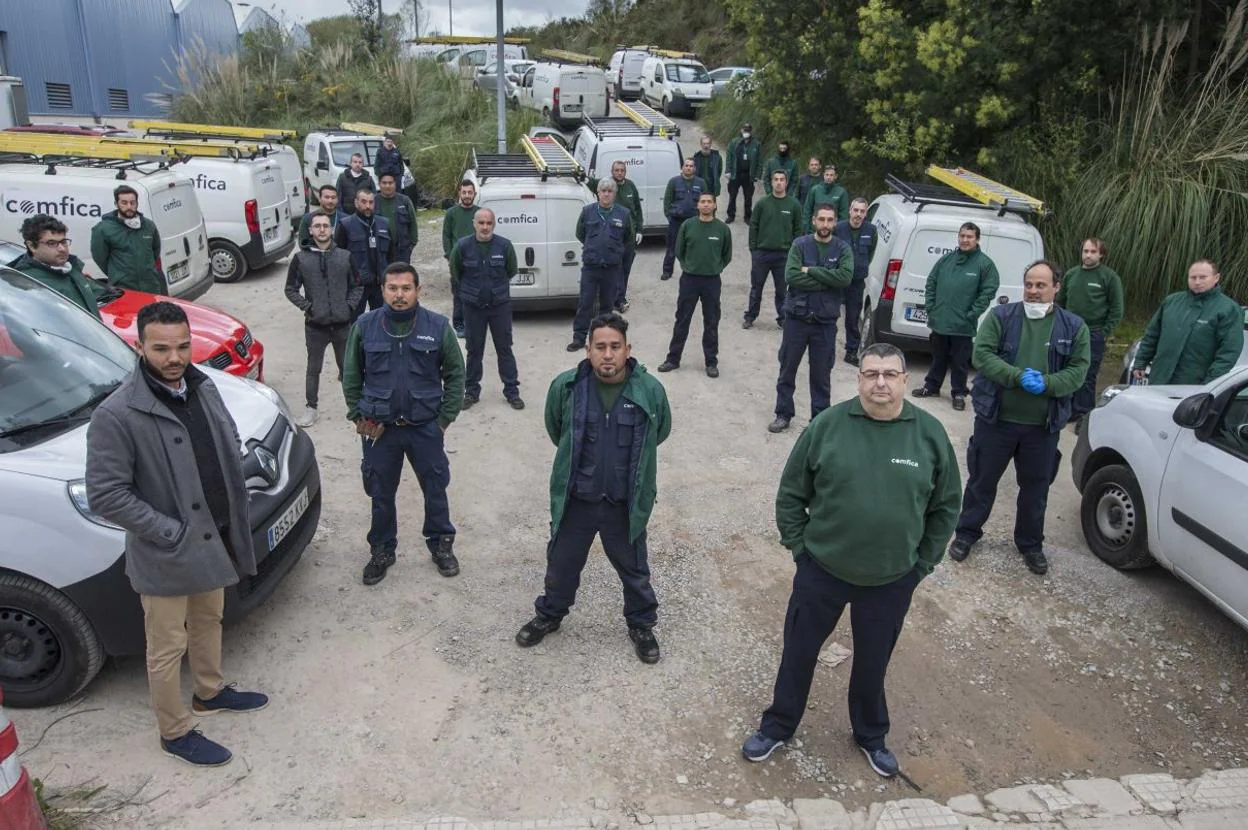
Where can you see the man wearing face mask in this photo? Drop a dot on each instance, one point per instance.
(780, 162)
(49, 261)
(743, 170)
(1031, 358)
(125, 245)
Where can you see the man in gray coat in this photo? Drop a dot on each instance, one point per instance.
(163, 463)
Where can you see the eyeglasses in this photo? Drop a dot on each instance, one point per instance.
(873, 375)
(57, 243)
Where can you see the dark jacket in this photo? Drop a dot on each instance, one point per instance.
(74, 285)
(389, 161)
(323, 286)
(371, 259)
(304, 236)
(739, 149)
(709, 167)
(348, 185)
(141, 474)
(128, 256)
(399, 211)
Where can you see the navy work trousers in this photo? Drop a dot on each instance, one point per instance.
(569, 550)
(496, 319)
(457, 308)
(599, 288)
(1084, 399)
(1033, 449)
(853, 315)
(382, 467)
(763, 263)
(669, 257)
(621, 282)
(317, 338)
(877, 614)
(745, 184)
(952, 353)
(818, 340)
(695, 288)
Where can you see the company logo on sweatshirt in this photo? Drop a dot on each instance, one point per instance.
(67, 205)
(518, 219)
(906, 462)
(426, 337)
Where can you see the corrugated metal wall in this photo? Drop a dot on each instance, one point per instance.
(44, 46)
(210, 22)
(131, 47)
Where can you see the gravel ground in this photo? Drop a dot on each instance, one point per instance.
(411, 697)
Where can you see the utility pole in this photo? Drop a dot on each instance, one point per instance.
(450, 19)
(500, 82)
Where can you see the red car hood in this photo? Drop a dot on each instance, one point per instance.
(210, 327)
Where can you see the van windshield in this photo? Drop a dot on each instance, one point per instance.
(57, 363)
(343, 150)
(687, 73)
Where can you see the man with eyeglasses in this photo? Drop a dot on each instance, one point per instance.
(49, 261)
(866, 503)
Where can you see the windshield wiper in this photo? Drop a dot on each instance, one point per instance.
(75, 415)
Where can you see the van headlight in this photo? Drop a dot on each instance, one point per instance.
(77, 490)
(1110, 393)
(278, 401)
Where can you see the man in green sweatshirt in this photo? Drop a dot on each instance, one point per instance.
(456, 224)
(704, 248)
(1094, 292)
(866, 503)
(1031, 357)
(125, 245)
(775, 223)
(49, 261)
(827, 192)
(782, 161)
(959, 288)
(1197, 335)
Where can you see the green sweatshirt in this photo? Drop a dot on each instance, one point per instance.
(775, 223)
(1019, 406)
(704, 248)
(958, 290)
(452, 374)
(1192, 338)
(456, 224)
(816, 278)
(1095, 294)
(509, 261)
(788, 164)
(870, 500)
(73, 284)
(825, 194)
(625, 194)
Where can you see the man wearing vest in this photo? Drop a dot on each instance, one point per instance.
(456, 224)
(125, 245)
(704, 246)
(860, 235)
(367, 238)
(49, 261)
(1031, 357)
(606, 418)
(321, 283)
(826, 192)
(1197, 335)
(605, 230)
(775, 223)
(388, 159)
(709, 167)
(743, 171)
(400, 214)
(627, 196)
(1094, 292)
(404, 385)
(482, 266)
(818, 269)
(351, 181)
(327, 198)
(812, 177)
(959, 288)
(780, 162)
(680, 202)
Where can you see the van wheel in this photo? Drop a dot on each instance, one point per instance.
(667, 107)
(514, 103)
(1112, 515)
(227, 261)
(48, 649)
(866, 331)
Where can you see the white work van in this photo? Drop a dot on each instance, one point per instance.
(676, 85)
(624, 72)
(327, 152)
(562, 92)
(917, 225)
(80, 191)
(537, 212)
(468, 60)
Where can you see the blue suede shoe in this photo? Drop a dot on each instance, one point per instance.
(229, 699)
(758, 747)
(197, 750)
(882, 761)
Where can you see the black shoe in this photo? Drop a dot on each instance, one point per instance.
(447, 564)
(535, 630)
(851, 358)
(470, 401)
(665, 277)
(668, 366)
(747, 323)
(375, 570)
(779, 322)
(779, 425)
(1036, 561)
(516, 402)
(622, 307)
(959, 549)
(959, 402)
(730, 220)
(576, 345)
(645, 643)
(924, 392)
(712, 371)
(461, 332)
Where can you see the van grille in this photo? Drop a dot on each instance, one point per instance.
(220, 360)
(118, 100)
(60, 96)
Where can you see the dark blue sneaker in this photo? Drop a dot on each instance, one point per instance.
(197, 750)
(758, 747)
(882, 761)
(229, 699)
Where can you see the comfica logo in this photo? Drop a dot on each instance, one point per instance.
(66, 206)
(633, 162)
(172, 204)
(205, 183)
(519, 219)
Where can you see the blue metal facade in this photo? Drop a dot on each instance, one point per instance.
(207, 22)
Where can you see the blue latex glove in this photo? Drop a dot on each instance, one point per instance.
(1033, 382)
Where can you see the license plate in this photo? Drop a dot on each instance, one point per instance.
(916, 314)
(270, 234)
(179, 272)
(571, 107)
(288, 520)
(524, 279)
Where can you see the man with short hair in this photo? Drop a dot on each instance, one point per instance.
(606, 417)
(826, 192)
(743, 164)
(163, 464)
(1092, 290)
(782, 162)
(388, 159)
(400, 213)
(704, 247)
(959, 288)
(775, 223)
(48, 260)
(817, 269)
(812, 177)
(321, 283)
(125, 245)
(404, 385)
(861, 237)
(605, 231)
(368, 239)
(327, 201)
(351, 181)
(866, 502)
(1030, 357)
(482, 266)
(457, 223)
(709, 166)
(626, 195)
(680, 202)
(1195, 336)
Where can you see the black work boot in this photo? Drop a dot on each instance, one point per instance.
(378, 563)
(535, 630)
(645, 643)
(444, 558)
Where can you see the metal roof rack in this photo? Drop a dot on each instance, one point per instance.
(936, 194)
(370, 129)
(123, 147)
(986, 191)
(210, 130)
(543, 157)
(672, 53)
(54, 160)
(564, 56)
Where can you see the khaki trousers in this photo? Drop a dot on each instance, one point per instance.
(176, 626)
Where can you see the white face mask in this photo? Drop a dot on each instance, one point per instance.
(134, 223)
(746, 135)
(64, 269)
(1035, 311)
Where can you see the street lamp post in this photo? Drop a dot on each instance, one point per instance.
(500, 81)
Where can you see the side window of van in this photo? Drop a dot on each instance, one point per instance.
(322, 156)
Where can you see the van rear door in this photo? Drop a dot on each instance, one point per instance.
(563, 250)
(518, 218)
(581, 91)
(1011, 248)
(651, 163)
(173, 206)
(273, 207)
(292, 179)
(927, 245)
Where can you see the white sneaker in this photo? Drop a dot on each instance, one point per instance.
(307, 419)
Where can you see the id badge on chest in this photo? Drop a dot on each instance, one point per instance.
(372, 242)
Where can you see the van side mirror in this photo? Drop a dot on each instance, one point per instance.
(322, 166)
(1194, 412)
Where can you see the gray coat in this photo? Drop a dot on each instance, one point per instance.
(141, 474)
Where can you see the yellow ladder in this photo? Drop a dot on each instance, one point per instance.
(564, 56)
(369, 129)
(111, 147)
(984, 190)
(646, 116)
(672, 53)
(464, 40)
(549, 156)
(210, 130)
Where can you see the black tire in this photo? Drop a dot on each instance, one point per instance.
(667, 107)
(48, 650)
(866, 329)
(1113, 519)
(226, 261)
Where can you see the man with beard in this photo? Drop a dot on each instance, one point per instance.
(367, 238)
(126, 245)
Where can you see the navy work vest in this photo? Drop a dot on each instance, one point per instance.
(820, 306)
(862, 250)
(402, 227)
(986, 395)
(483, 279)
(370, 258)
(602, 469)
(402, 375)
(605, 239)
(685, 193)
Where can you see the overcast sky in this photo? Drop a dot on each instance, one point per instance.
(471, 17)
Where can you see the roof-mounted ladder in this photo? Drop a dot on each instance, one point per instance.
(177, 128)
(542, 157)
(986, 191)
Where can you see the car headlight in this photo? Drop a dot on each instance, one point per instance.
(77, 490)
(1110, 393)
(278, 401)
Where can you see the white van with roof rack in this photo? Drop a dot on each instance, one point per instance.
(917, 224)
(563, 86)
(327, 152)
(537, 196)
(676, 82)
(624, 71)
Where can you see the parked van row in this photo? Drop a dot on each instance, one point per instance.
(671, 81)
(563, 87)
